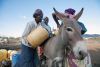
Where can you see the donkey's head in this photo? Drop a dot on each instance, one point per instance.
(71, 33)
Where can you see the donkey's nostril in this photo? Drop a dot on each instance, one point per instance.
(69, 29)
(82, 55)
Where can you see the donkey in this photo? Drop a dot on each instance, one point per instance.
(69, 36)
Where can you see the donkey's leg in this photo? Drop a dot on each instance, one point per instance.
(65, 63)
(43, 60)
(57, 62)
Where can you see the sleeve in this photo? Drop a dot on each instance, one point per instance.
(83, 30)
(47, 27)
(29, 27)
(56, 19)
(27, 30)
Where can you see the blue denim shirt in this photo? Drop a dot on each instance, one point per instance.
(83, 28)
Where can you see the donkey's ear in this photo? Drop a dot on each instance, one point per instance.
(58, 14)
(77, 16)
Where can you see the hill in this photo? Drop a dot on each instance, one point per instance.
(91, 35)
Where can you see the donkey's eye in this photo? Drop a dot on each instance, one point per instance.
(69, 29)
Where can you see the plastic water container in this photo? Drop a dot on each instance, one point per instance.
(12, 53)
(3, 54)
(9, 53)
(15, 58)
(37, 36)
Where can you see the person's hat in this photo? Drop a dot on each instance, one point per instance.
(70, 11)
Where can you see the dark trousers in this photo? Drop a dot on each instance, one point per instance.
(28, 57)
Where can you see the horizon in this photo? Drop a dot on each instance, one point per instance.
(84, 35)
(14, 14)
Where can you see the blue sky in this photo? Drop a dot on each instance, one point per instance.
(14, 14)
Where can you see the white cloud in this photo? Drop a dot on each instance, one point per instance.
(24, 17)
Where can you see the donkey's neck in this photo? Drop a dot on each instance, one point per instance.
(56, 45)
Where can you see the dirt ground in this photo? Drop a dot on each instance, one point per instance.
(94, 49)
(93, 45)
